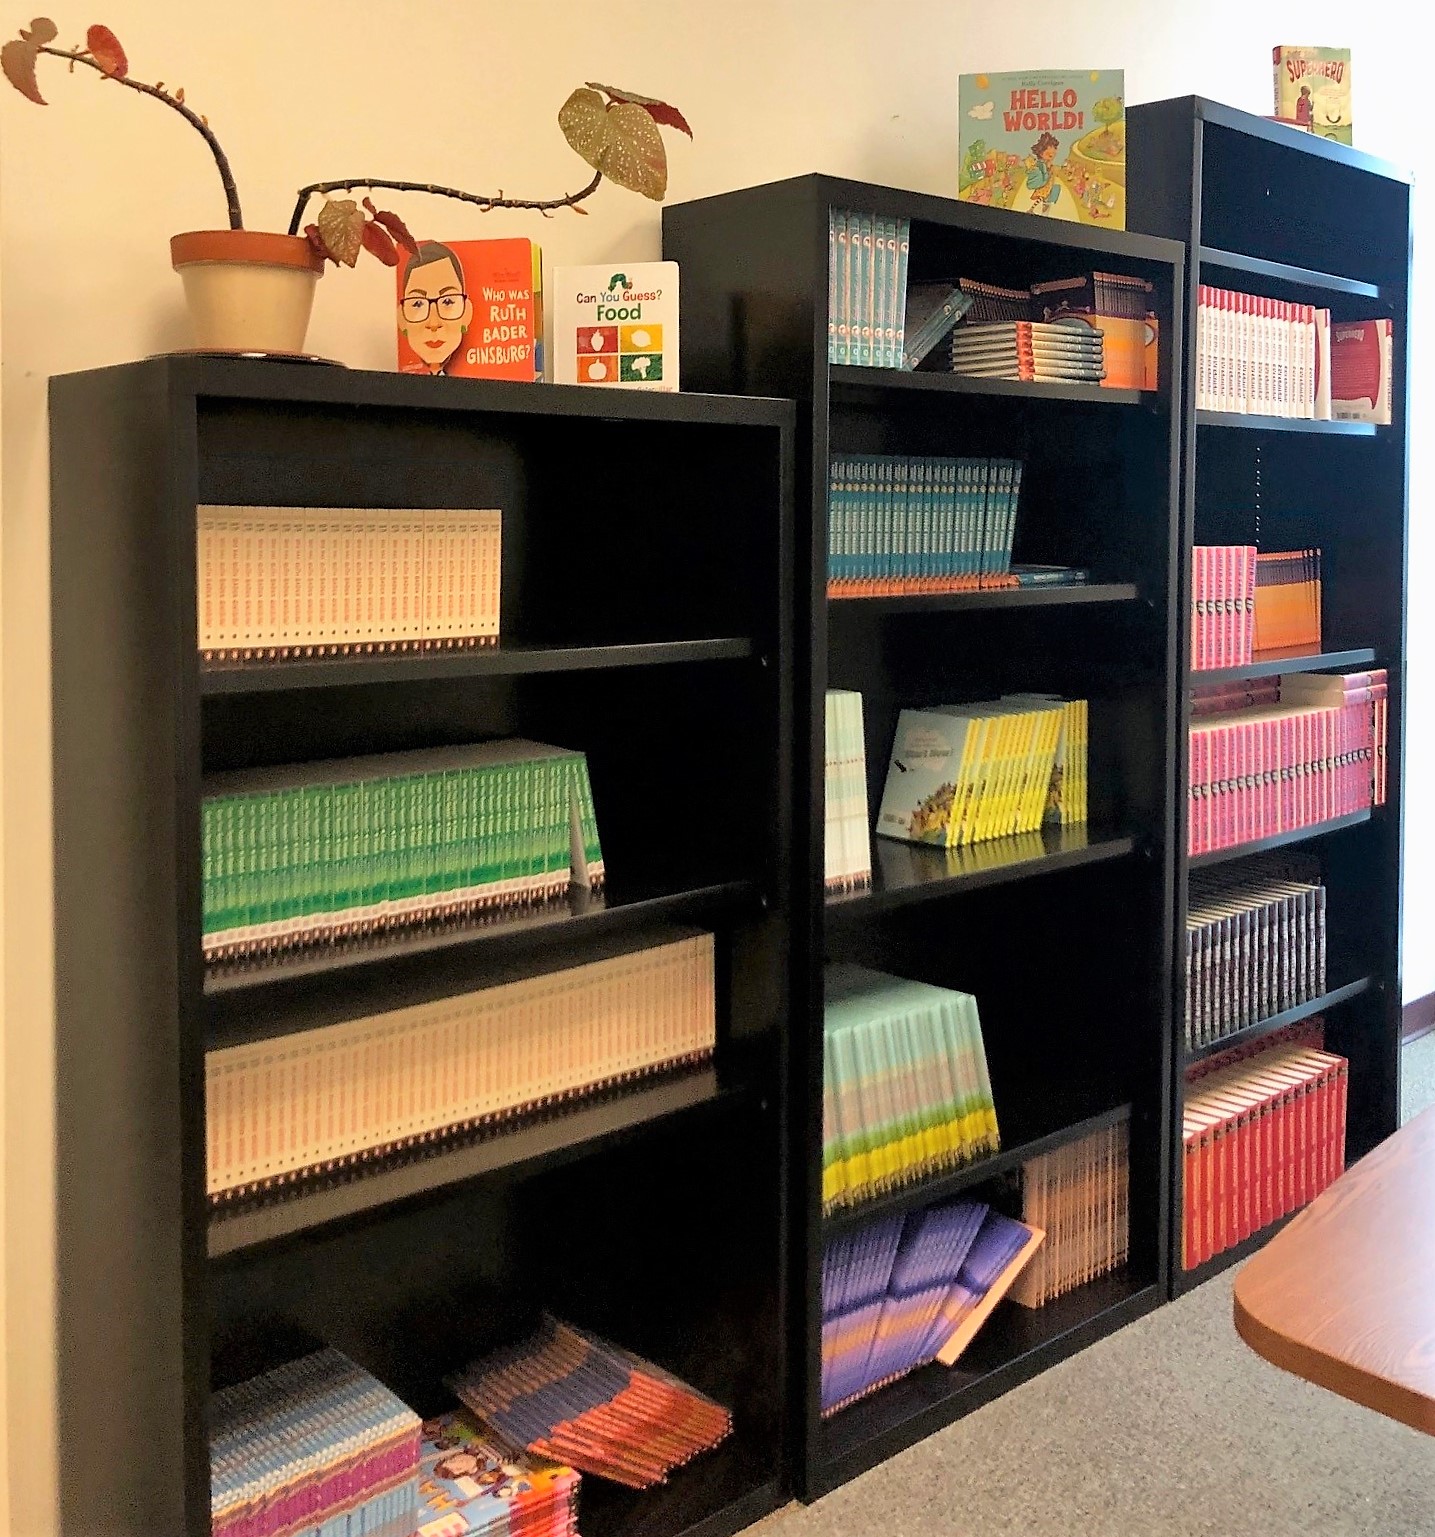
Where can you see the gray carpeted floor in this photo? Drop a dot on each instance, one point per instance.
(1171, 1428)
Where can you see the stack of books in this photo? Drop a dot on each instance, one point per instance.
(906, 1092)
(471, 1485)
(1079, 1196)
(565, 1394)
(1255, 946)
(901, 1292)
(1287, 602)
(316, 853)
(314, 1447)
(866, 286)
(1223, 599)
(961, 774)
(282, 583)
(1317, 754)
(1263, 1133)
(1259, 356)
(898, 525)
(848, 844)
(282, 1111)
(1061, 351)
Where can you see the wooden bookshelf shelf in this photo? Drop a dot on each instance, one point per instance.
(1251, 423)
(1013, 1347)
(1282, 274)
(997, 598)
(1022, 1149)
(1277, 840)
(1292, 1016)
(1276, 667)
(502, 661)
(540, 1143)
(847, 379)
(904, 873)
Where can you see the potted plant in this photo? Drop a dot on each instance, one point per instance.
(253, 291)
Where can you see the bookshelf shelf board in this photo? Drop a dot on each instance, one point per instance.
(1278, 840)
(529, 1145)
(914, 872)
(503, 661)
(1183, 1281)
(1250, 423)
(911, 1197)
(1274, 1022)
(847, 377)
(1015, 1344)
(715, 1495)
(1275, 667)
(1283, 272)
(1000, 597)
(247, 1002)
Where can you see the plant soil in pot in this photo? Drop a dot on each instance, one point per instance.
(247, 291)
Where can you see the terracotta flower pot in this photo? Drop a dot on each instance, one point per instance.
(247, 291)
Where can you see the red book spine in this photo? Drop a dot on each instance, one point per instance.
(1189, 1195)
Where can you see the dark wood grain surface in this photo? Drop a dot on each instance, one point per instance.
(1345, 1296)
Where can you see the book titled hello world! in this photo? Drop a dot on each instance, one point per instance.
(616, 325)
(1050, 142)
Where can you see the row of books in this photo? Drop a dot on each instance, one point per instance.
(965, 773)
(867, 287)
(906, 1092)
(848, 844)
(282, 1111)
(1263, 1133)
(1061, 351)
(899, 524)
(901, 1292)
(1248, 603)
(316, 853)
(1255, 946)
(290, 582)
(1316, 754)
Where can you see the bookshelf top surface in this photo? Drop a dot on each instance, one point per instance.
(284, 382)
(840, 192)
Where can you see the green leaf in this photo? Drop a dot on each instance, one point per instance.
(583, 119)
(341, 227)
(633, 154)
(17, 60)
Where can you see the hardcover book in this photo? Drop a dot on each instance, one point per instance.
(472, 309)
(1313, 90)
(616, 325)
(1048, 142)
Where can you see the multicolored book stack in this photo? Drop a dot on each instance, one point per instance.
(906, 1092)
(902, 1292)
(1317, 754)
(317, 853)
(1287, 602)
(1262, 357)
(1079, 1196)
(313, 1448)
(867, 287)
(566, 1394)
(899, 525)
(848, 843)
(1262, 1135)
(471, 1485)
(963, 773)
(1255, 946)
(1223, 605)
(280, 583)
(284, 1110)
(1057, 351)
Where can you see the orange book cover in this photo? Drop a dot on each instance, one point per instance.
(472, 309)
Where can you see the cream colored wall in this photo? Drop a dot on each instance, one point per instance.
(465, 91)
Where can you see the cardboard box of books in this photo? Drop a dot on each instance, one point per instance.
(616, 325)
(1051, 142)
(1313, 90)
(473, 309)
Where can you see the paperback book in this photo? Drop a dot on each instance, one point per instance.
(1313, 90)
(847, 839)
(471, 1485)
(616, 325)
(1362, 363)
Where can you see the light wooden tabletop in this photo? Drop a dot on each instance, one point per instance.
(1345, 1295)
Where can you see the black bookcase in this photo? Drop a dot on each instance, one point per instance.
(1067, 947)
(1273, 211)
(645, 599)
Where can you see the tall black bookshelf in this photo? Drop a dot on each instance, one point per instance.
(1067, 946)
(645, 602)
(1273, 211)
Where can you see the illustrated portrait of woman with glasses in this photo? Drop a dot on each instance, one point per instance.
(434, 311)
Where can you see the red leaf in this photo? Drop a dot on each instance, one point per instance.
(659, 111)
(395, 226)
(17, 59)
(315, 239)
(105, 49)
(377, 243)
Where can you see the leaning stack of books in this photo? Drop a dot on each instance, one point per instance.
(848, 844)
(471, 1485)
(313, 1447)
(867, 286)
(905, 1087)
